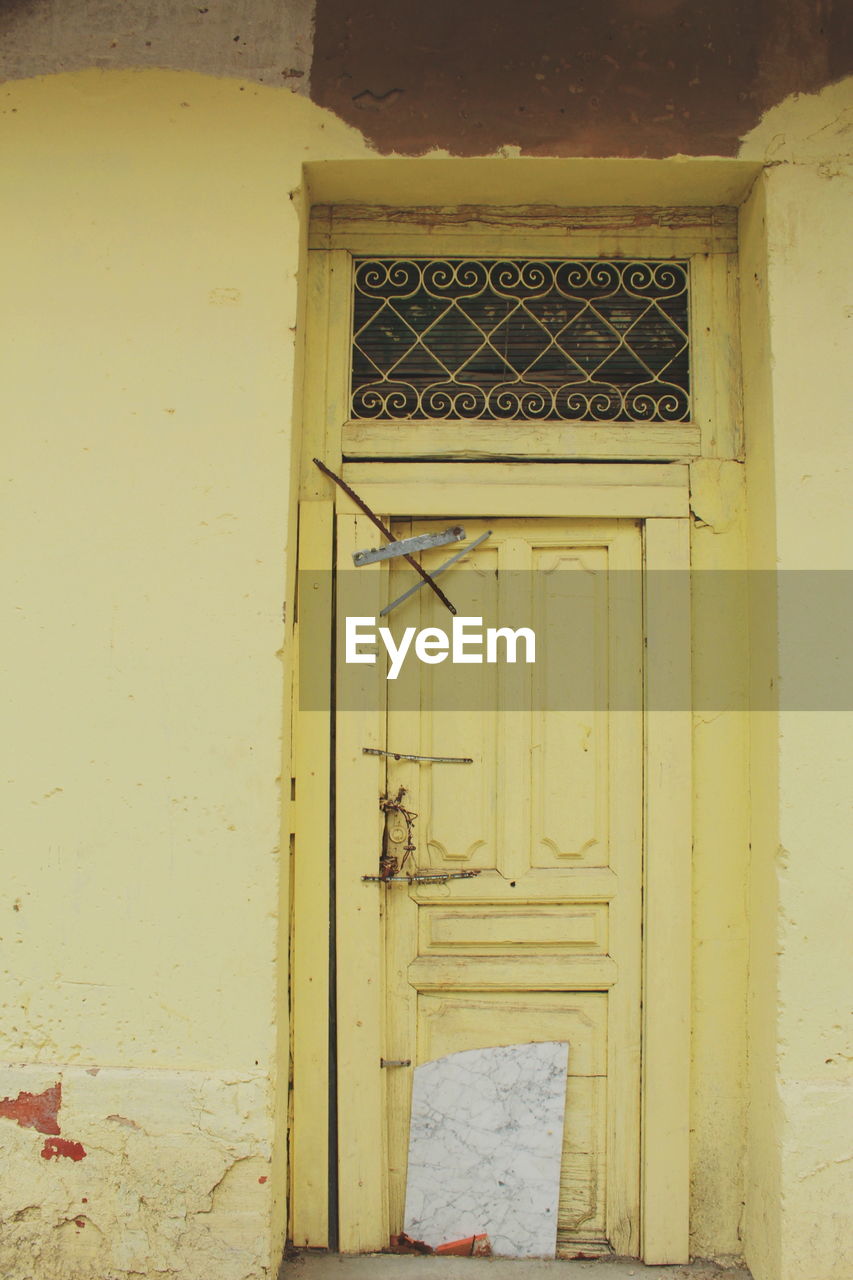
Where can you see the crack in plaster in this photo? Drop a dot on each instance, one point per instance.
(167, 1197)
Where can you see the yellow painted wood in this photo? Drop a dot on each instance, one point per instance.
(706, 237)
(557, 440)
(373, 1136)
(513, 231)
(467, 1020)
(666, 1032)
(326, 385)
(512, 972)
(625, 677)
(451, 1021)
(715, 354)
(317, 338)
(362, 1153)
(488, 188)
(483, 929)
(309, 929)
(575, 884)
(592, 854)
(568, 489)
(582, 1209)
(551, 795)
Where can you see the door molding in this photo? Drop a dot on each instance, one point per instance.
(596, 490)
(658, 494)
(667, 924)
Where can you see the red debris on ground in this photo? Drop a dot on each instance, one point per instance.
(35, 1110)
(405, 1244)
(470, 1247)
(56, 1147)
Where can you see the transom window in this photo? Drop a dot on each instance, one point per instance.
(521, 339)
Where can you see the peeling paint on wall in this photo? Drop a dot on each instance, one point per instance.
(633, 78)
(35, 1110)
(55, 1147)
(177, 1186)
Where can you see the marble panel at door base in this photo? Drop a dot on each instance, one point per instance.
(484, 1148)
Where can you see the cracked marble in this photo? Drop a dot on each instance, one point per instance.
(485, 1145)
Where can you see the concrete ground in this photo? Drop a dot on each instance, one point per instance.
(381, 1266)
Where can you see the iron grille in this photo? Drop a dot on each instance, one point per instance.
(530, 340)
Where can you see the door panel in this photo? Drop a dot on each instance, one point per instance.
(449, 1022)
(544, 943)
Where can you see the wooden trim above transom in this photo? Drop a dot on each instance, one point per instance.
(636, 229)
(564, 489)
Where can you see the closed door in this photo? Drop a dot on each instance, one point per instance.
(535, 933)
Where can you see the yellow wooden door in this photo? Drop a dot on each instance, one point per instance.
(544, 943)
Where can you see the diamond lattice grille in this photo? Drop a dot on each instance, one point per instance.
(602, 341)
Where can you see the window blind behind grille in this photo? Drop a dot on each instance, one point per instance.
(531, 340)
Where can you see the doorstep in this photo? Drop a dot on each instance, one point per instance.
(311, 1265)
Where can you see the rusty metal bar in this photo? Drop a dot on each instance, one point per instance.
(422, 877)
(403, 755)
(435, 572)
(384, 530)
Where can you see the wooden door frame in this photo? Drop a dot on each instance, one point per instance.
(657, 494)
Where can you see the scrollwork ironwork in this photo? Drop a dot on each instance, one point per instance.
(521, 340)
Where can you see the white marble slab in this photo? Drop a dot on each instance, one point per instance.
(485, 1145)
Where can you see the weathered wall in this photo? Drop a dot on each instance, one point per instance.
(150, 484)
(796, 275)
(149, 311)
(268, 41)
(149, 385)
(629, 78)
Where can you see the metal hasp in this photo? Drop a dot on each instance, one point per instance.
(395, 1062)
(402, 755)
(422, 542)
(384, 530)
(435, 572)
(422, 877)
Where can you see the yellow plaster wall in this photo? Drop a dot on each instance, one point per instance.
(796, 271)
(149, 300)
(151, 314)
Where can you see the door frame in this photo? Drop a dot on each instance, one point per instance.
(657, 494)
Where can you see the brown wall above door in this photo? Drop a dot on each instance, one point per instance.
(571, 77)
(551, 77)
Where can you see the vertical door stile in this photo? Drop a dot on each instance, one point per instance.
(405, 732)
(667, 925)
(310, 944)
(360, 781)
(625, 783)
(514, 725)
